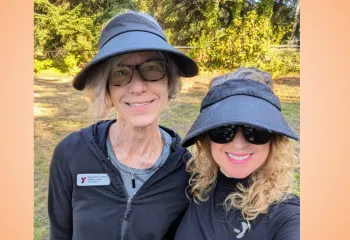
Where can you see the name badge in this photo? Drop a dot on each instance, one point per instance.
(91, 179)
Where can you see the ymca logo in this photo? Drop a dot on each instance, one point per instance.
(93, 179)
(244, 229)
(83, 179)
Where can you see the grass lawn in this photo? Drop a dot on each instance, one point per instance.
(59, 110)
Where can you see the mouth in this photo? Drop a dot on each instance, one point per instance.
(139, 104)
(238, 158)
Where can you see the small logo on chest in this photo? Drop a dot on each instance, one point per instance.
(241, 232)
(83, 179)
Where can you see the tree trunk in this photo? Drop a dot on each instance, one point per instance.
(296, 32)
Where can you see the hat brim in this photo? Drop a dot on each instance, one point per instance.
(239, 109)
(135, 41)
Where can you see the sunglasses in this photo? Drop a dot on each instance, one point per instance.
(226, 134)
(152, 70)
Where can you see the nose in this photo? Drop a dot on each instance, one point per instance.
(137, 85)
(239, 141)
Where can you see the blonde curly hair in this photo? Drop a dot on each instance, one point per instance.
(272, 182)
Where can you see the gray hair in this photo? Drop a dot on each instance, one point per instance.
(97, 92)
(251, 73)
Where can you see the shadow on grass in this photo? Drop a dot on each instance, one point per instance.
(58, 110)
(291, 81)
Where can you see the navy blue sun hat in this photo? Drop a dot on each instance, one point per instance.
(134, 32)
(242, 101)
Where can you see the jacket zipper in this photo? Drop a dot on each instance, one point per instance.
(128, 203)
(125, 220)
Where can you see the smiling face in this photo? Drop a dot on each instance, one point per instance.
(139, 103)
(239, 158)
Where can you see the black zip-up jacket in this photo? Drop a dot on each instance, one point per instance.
(106, 212)
(208, 220)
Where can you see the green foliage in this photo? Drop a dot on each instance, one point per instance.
(282, 20)
(281, 33)
(72, 63)
(225, 33)
(265, 8)
(281, 62)
(67, 36)
(297, 189)
(40, 65)
(244, 42)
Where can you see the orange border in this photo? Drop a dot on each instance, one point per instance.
(325, 55)
(325, 101)
(17, 151)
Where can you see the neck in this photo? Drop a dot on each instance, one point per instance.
(132, 145)
(228, 183)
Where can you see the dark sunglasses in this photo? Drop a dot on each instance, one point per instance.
(226, 134)
(152, 70)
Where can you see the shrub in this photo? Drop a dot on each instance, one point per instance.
(40, 65)
(71, 63)
(245, 42)
(281, 62)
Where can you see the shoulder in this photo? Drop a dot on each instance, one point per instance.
(69, 141)
(75, 142)
(60, 164)
(290, 204)
(79, 137)
(284, 217)
(61, 159)
(171, 133)
(286, 208)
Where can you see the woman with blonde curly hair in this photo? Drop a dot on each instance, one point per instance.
(242, 170)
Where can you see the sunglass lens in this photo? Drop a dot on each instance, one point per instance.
(256, 136)
(223, 134)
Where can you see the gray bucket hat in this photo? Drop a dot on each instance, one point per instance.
(134, 32)
(239, 101)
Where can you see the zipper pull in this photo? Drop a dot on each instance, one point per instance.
(128, 208)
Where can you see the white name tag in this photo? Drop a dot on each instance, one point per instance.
(91, 179)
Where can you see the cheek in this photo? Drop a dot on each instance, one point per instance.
(266, 148)
(165, 87)
(164, 91)
(216, 152)
(115, 97)
(263, 152)
(114, 92)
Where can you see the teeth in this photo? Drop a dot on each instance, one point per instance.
(138, 104)
(238, 158)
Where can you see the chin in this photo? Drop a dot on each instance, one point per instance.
(142, 122)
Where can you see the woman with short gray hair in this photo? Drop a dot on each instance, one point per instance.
(123, 178)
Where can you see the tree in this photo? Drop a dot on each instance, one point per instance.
(69, 29)
(296, 25)
(66, 32)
